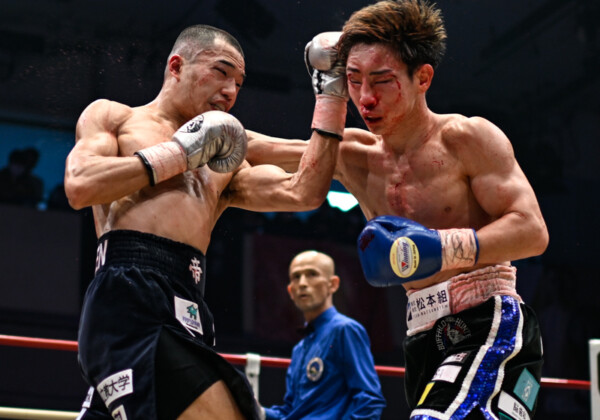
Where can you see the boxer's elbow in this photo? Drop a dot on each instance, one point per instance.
(538, 238)
(78, 193)
(543, 239)
(74, 181)
(311, 199)
(315, 202)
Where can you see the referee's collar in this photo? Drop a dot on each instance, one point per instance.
(323, 318)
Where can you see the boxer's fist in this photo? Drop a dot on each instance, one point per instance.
(394, 250)
(328, 75)
(329, 84)
(215, 138)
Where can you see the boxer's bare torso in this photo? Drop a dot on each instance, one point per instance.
(103, 172)
(440, 170)
(455, 172)
(165, 209)
(425, 181)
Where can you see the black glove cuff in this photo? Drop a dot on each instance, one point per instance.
(328, 134)
(148, 166)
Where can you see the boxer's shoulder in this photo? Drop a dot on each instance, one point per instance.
(104, 115)
(459, 130)
(357, 137)
(102, 107)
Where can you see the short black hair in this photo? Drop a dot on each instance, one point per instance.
(197, 37)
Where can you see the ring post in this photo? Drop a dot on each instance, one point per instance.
(253, 371)
(594, 376)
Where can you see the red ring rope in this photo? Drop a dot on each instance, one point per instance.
(238, 359)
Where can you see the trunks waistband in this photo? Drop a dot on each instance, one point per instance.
(461, 292)
(176, 259)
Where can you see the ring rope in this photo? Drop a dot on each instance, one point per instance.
(239, 359)
(33, 414)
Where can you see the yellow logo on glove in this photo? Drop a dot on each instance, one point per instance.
(404, 257)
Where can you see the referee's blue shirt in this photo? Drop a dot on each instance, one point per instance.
(332, 374)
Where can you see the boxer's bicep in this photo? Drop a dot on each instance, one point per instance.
(94, 173)
(97, 127)
(94, 140)
(517, 229)
(266, 188)
(498, 183)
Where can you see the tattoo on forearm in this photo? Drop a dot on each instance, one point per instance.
(459, 248)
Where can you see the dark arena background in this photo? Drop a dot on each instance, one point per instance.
(530, 66)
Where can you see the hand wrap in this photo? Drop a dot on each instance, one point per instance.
(329, 84)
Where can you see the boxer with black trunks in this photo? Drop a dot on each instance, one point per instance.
(448, 208)
(165, 320)
(156, 190)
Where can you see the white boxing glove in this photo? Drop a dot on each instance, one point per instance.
(329, 84)
(215, 138)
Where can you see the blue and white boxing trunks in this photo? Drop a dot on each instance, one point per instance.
(474, 351)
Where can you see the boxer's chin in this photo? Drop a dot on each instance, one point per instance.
(375, 125)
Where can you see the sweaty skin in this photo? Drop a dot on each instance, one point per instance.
(102, 172)
(440, 170)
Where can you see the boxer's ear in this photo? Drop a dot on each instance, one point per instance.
(174, 64)
(424, 76)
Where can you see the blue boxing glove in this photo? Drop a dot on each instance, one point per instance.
(394, 250)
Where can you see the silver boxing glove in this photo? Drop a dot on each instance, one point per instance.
(328, 75)
(215, 138)
(329, 84)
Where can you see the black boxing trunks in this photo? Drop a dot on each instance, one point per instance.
(145, 332)
(476, 360)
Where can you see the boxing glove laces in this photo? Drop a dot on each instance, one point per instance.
(394, 250)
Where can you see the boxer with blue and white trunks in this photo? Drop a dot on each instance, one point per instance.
(156, 363)
(443, 193)
(484, 356)
(473, 349)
